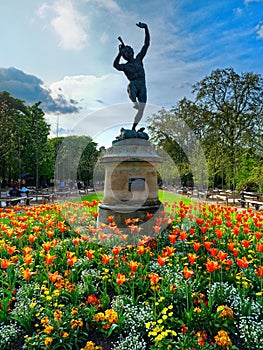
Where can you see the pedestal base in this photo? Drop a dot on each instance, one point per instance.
(131, 187)
(146, 216)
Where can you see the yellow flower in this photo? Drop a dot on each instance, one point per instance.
(48, 329)
(197, 310)
(222, 339)
(89, 346)
(158, 338)
(76, 323)
(74, 311)
(48, 341)
(44, 321)
(57, 315)
(165, 310)
(225, 311)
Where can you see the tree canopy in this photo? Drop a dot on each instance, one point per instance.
(26, 148)
(226, 116)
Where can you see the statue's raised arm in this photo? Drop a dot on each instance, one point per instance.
(134, 71)
(144, 49)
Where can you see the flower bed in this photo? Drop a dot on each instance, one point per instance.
(194, 282)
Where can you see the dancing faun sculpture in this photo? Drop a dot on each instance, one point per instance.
(134, 71)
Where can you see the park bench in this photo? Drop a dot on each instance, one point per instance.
(42, 197)
(250, 198)
(226, 197)
(13, 200)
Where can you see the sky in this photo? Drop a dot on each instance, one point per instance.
(60, 52)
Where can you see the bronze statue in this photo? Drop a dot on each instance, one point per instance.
(134, 71)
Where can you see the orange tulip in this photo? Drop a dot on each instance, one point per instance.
(120, 278)
(167, 251)
(46, 246)
(259, 247)
(89, 253)
(71, 258)
(196, 246)
(221, 255)
(133, 265)
(183, 235)
(192, 258)
(188, 273)
(105, 259)
(258, 235)
(172, 238)
(110, 218)
(32, 238)
(213, 251)
(154, 277)
(27, 250)
(242, 263)
(5, 263)
(231, 246)
(212, 265)
(53, 276)
(245, 243)
(161, 260)
(11, 250)
(259, 271)
(140, 249)
(27, 274)
(28, 259)
(116, 250)
(49, 259)
(208, 245)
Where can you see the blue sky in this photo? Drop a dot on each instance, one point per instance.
(61, 52)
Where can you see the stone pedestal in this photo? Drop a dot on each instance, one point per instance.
(131, 188)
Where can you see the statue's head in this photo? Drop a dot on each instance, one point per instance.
(127, 52)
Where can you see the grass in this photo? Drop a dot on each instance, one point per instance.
(164, 196)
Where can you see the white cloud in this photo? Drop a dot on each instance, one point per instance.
(260, 31)
(68, 23)
(105, 107)
(107, 4)
(238, 11)
(90, 91)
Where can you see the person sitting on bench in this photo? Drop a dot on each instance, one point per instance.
(14, 192)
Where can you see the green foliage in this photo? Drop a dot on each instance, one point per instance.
(226, 117)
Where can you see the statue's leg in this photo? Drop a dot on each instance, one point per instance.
(138, 115)
(132, 92)
(142, 97)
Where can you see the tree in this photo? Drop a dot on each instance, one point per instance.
(173, 132)
(35, 137)
(230, 108)
(12, 111)
(76, 159)
(226, 117)
(24, 133)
